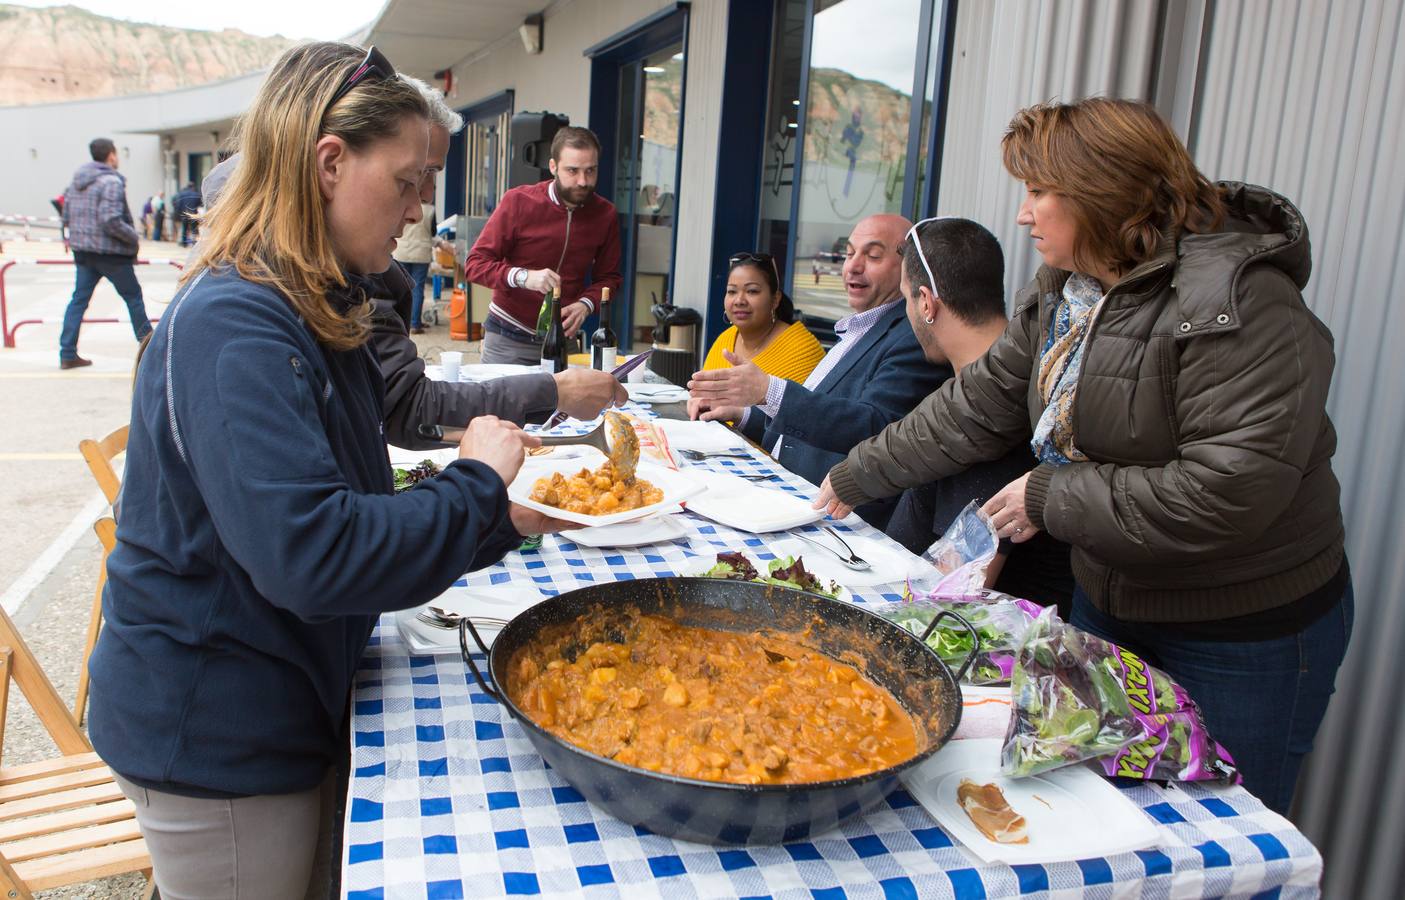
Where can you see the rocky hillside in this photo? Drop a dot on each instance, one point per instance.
(65, 53)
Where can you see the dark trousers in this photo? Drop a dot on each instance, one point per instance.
(1262, 700)
(189, 231)
(417, 272)
(92, 268)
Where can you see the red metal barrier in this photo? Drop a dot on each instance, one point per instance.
(9, 332)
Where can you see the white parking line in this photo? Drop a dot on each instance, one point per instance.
(47, 561)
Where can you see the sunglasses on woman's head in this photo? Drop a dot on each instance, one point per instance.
(758, 258)
(373, 65)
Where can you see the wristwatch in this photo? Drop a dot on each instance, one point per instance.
(519, 277)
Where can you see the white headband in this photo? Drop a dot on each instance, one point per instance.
(922, 257)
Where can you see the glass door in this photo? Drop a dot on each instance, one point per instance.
(648, 133)
(858, 104)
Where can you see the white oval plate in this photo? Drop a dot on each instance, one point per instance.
(1070, 813)
(657, 530)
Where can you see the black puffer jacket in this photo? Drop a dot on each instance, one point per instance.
(1208, 492)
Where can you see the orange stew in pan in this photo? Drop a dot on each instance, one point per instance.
(745, 708)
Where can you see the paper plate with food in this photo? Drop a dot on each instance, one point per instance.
(1071, 813)
(590, 491)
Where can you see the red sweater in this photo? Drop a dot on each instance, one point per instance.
(530, 229)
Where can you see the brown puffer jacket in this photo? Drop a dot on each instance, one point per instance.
(1209, 490)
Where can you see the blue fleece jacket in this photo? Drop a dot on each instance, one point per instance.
(259, 539)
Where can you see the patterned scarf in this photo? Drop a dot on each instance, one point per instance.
(1059, 367)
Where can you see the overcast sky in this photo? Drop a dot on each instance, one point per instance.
(886, 51)
(318, 20)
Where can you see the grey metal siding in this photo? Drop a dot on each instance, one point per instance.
(1306, 97)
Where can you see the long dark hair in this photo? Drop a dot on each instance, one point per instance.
(765, 263)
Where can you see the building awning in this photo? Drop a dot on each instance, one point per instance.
(422, 37)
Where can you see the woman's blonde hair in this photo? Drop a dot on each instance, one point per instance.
(270, 223)
(1124, 174)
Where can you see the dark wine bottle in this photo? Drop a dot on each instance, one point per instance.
(554, 345)
(603, 346)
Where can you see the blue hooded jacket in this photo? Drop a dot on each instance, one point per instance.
(259, 539)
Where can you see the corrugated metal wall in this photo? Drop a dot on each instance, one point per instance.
(1012, 53)
(1307, 97)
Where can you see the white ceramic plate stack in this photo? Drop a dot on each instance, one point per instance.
(659, 529)
(1070, 813)
(493, 602)
(708, 437)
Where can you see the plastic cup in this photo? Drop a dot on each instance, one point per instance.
(449, 362)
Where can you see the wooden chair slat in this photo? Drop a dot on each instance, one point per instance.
(87, 796)
(51, 784)
(71, 868)
(43, 768)
(70, 840)
(77, 817)
(62, 820)
(99, 456)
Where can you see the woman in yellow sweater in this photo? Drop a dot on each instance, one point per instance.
(764, 330)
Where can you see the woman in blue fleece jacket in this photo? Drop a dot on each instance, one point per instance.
(260, 536)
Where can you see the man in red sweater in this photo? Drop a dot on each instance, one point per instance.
(547, 236)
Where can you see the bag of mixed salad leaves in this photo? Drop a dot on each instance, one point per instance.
(999, 619)
(1077, 697)
(964, 552)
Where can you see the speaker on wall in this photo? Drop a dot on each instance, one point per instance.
(532, 133)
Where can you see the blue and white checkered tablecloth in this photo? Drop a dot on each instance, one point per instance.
(448, 799)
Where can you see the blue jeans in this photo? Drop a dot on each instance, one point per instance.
(418, 273)
(1262, 700)
(92, 268)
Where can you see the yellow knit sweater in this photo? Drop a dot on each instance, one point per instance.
(793, 355)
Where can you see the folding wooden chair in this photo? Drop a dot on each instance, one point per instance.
(99, 455)
(64, 820)
(106, 527)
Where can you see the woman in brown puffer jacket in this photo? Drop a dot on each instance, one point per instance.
(1172, 383)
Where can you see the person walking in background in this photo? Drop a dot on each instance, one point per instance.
(414, 249)
(158, 215)
(104, 242)
(547, 236)
(186, 206)
(146, 220)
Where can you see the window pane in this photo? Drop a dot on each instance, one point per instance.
(856, 135)
(782, 113)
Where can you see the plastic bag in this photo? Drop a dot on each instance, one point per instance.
(1078, 697)
(999, 619)
(964, 552)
